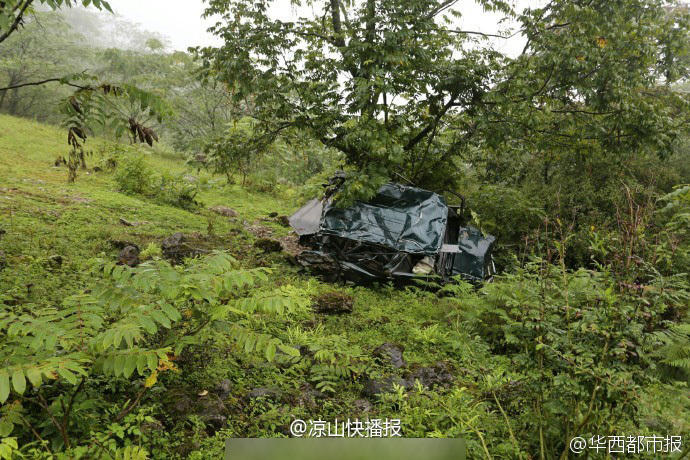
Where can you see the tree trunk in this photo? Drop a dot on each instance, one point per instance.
(14, 102)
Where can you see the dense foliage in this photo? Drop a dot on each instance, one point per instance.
(403, 93)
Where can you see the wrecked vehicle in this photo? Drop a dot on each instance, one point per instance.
(402, 232)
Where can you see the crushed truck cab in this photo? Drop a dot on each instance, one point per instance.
(402, 232)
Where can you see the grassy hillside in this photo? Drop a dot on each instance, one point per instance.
(47, 219)
(56, 232)
(44, 216)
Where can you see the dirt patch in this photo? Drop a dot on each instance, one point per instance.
(268, 245)
(333, 303)
(258, 230)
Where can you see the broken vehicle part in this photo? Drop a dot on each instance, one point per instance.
(402, 232)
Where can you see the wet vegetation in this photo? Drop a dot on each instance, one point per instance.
(150, 303)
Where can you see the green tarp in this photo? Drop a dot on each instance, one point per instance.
(405, 219)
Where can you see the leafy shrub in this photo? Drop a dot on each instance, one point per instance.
(128, 328)
(236, 151)
(576, 347)
(176, 191)
(508, 214)
(152, 251)
(134, 176)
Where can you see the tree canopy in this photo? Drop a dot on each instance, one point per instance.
(402, 92)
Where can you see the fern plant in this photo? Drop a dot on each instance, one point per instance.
(131, 325)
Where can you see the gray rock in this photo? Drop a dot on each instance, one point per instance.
(362, 406)
(437, 375)
(272, 394)
(176, 249)
(212, 411)
(268, 245)
(129, 256)
(55, 261)
(309, 396)
(223, 389)
(209, 408)
(121, 244)
(375, 387)
(333, 303)
(391, 353)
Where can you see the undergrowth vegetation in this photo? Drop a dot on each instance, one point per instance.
(164, 360)
(151, 303)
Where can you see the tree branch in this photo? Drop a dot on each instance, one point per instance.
(431, 126)
(128, 408)
(483, 34)
(17, 21)
(43, 82)
(65, 415)
(443, 6)
(337, 27)
(44, 404)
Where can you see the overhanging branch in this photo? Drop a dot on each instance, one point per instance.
(17, 20)
(43, 82)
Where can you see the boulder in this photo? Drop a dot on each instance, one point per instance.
(362, 406)
(272, 394)
(223, 389)
(378, 386)
(436, 375)
(268, 245)
(309, 397)
(212, 411)
(55, 261)
(129, 256)
(333, 303)
(176, 249)
(121, 244)
(210, 408)
(391, 353)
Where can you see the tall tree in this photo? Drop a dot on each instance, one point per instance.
(402, 92)
(45, 48)
(13, 12)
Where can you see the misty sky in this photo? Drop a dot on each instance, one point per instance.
(180, 20)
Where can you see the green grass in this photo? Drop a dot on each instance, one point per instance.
(45, 216)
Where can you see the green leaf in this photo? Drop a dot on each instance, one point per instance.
(67, 375)
(161, 318)
(172, 313)
(5, 452)
(288, 350)
(6, 427)
(142, 361)
(4, 386)
(270, 351)
(152, 361)
(130, 365)
(34, 376)
(148, 324)
(19, 381)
